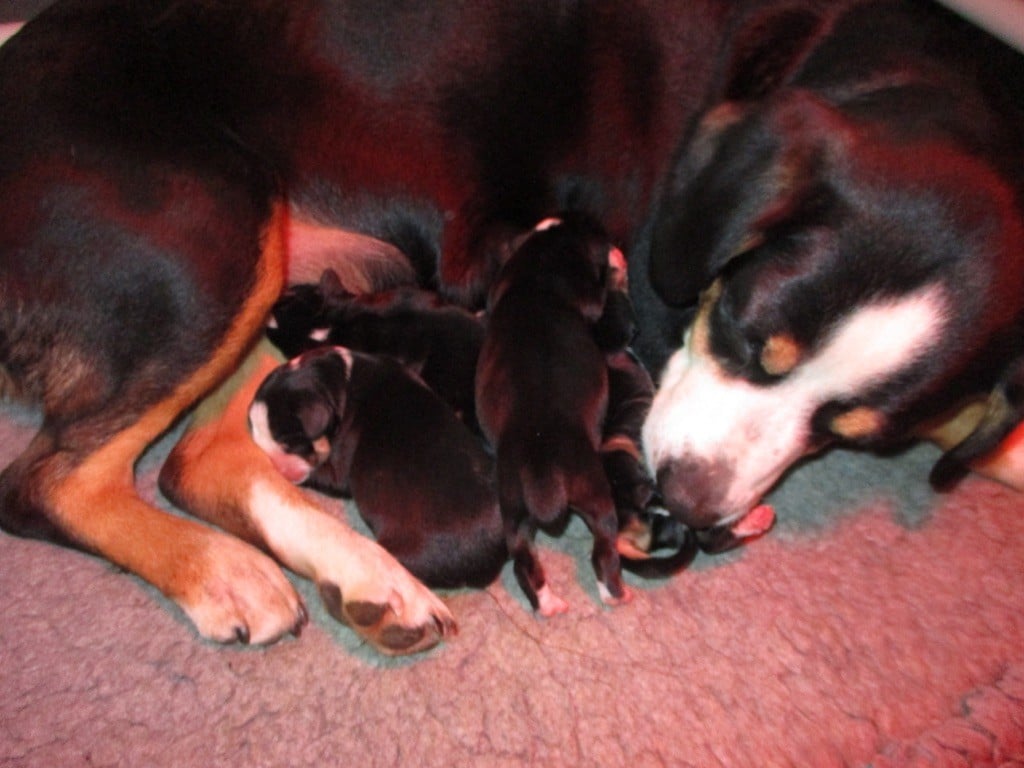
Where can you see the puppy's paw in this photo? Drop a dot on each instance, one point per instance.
(235, 593)
(609, 598)
(634, 540)
(386, 605)
(549, 604)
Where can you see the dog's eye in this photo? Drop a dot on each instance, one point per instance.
(779, 354)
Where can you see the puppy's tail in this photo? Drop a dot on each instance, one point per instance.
(665, 533)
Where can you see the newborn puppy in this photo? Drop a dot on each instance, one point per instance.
(630, 392)
(541, 397)
(350, 423)
(438, 341)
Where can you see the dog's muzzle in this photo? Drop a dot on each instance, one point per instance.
(691, 490)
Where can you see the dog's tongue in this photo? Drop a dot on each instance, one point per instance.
(756, 522)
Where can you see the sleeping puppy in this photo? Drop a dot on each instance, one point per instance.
(437, 340)
(345, 422)
(541, 398)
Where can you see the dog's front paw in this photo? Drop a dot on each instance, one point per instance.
(237, 594)
(386, 605)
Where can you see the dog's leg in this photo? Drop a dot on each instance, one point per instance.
(63, 488)
(75, 484)
(217, 472)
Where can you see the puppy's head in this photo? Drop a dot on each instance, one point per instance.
(853, 280)
(297, 411)
(567, 257)
(301, 318)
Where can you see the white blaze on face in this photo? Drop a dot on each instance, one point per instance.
(294, 469)
(701, 413)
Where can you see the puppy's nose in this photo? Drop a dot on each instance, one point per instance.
(690, 489)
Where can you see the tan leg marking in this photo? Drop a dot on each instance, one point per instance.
(227, 588)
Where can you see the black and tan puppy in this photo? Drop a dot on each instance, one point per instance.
(362, 425)
(542, 396)
(439, 341)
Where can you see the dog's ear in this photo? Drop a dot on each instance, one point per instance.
(746, 171)
(767, 46)
(1004, 412)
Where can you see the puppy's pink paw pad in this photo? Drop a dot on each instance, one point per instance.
(549, 604)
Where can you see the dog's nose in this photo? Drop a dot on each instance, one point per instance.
(690, 489)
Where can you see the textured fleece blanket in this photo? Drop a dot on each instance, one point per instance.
(877, 624)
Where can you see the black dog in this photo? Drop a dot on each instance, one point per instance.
(542, 396)
(166, 167)
(349, 423)
(440, 342)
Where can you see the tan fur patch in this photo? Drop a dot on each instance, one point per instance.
(781, 354)
(858, 423)
(699, 341)
(96, 500)
(621, 443)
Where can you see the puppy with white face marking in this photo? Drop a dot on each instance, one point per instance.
(542, 394)
(438, 341)
(350, 423)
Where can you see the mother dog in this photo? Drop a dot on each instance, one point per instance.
(847, 180)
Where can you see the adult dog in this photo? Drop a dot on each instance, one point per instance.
(167, 166)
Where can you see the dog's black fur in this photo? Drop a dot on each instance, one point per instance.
(163, 162)
(542, 398)
(421, 481)
(437, 340)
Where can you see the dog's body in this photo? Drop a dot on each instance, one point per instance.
(542, 398)
(351, 423)
(166, 167)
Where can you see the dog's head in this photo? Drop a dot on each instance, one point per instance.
(854, 280)
(298, 410)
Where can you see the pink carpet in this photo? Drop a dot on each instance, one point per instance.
(877, 625)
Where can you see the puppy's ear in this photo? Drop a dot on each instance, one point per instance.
(1003, 413)
(332, 371)
(746, 171)
(331, 287)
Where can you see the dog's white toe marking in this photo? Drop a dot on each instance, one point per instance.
(322, 548)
